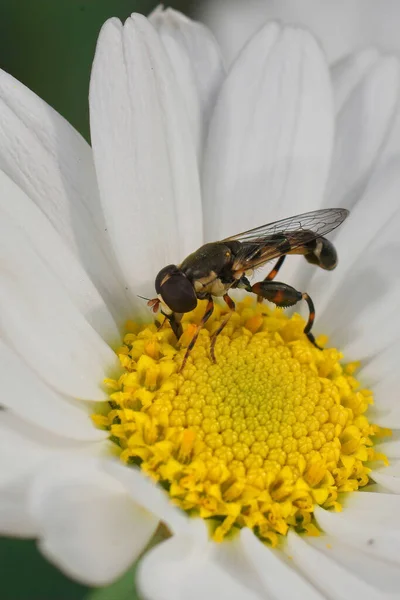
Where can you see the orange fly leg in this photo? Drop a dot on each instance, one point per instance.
(214, 336)
(273, 273)
(206, 316)
(310, 322)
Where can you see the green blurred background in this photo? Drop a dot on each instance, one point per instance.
(49, 46)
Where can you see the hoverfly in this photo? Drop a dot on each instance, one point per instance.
(218, 267)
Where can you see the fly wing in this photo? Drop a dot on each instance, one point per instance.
(270, 241)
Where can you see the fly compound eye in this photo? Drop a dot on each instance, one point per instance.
(163, 276)
(176, 290)
(178, 293)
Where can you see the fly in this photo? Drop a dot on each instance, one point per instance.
(218, 267)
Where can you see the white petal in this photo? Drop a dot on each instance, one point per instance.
(389, 476)
(350, 301)
(19, 454)
(368, 511)
(29, 397)
(53, 164)
(328, 575)
(197, 62)
(23, 451)
(15, 519)
(386, 418)
(385, 506)
(391, 449)
(376, 536)
(382, 375)
(89, 527)
(391, 150)
(23, 448)
(41, 238)
(279, 577)
(271, 134)
(386, 410)
(146, 493)
(349, 72)
(382, 576)
(188, 568)
(144, 154)
(363, 123)
(43, 326)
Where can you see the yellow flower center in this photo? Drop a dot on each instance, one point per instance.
(257, 439)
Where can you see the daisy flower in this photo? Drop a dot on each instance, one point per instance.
(252, 464)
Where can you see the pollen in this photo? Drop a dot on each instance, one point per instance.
(258, 438)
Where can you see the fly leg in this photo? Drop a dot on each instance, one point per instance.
(214, 336)
(206, 316)
(273, 273)
(284, 295)
(160, 325)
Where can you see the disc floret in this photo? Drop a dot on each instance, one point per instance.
(257, 439)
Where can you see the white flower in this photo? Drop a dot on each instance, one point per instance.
(83, 233)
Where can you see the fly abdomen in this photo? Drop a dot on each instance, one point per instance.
(321, 252)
